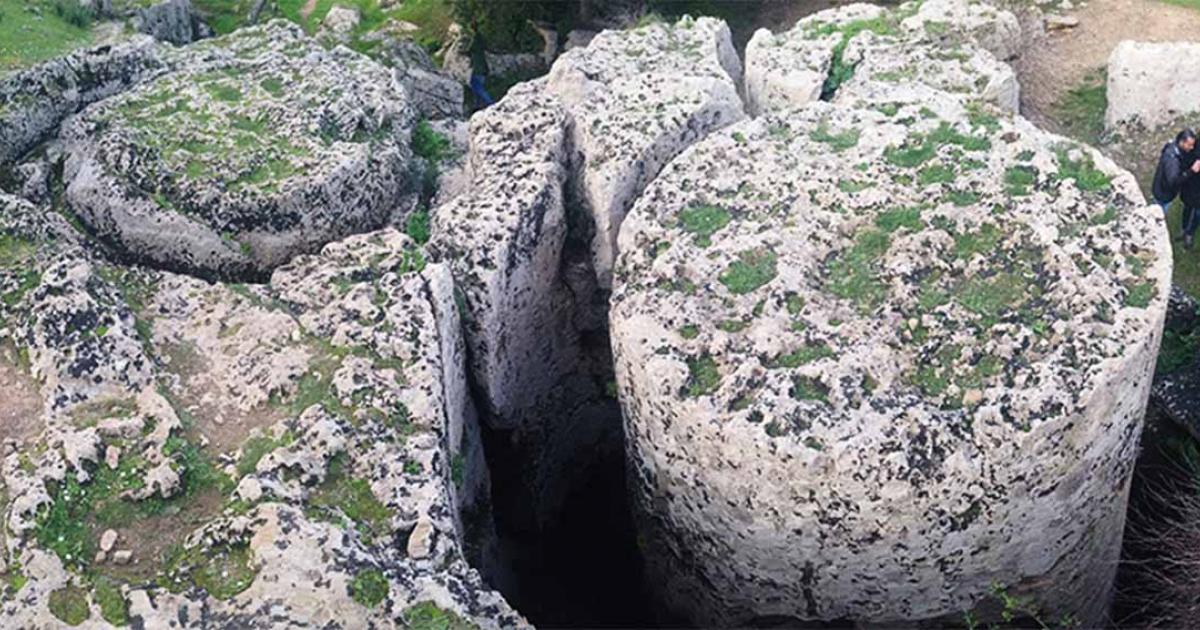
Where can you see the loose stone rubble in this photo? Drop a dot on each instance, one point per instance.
(261, 146)
(878, 355)
(1143, 89)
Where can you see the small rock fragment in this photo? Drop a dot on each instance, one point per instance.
(108, 540)
(123, 556)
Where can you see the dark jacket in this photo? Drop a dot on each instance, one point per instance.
(478, 54)
(1172, 172)
(1190, 192)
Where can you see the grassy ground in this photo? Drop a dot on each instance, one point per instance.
(1189, 4)
(33, 31)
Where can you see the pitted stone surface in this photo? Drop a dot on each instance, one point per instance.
(636, 99)
(886, 55)
(872, 364)
(504, 237)
(357, 351)
(263, 145)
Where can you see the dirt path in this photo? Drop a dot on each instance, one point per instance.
(1057, 61)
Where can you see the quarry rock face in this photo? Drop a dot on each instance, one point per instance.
(261, 146)
(637, 98)
(505, 236)
(229, 443)
(874, 358)
(1144, 87)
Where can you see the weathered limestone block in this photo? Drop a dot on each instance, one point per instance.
(174, 21)
(263, 145)
(637, 98)
(865, 55)
(1149, 83)
(35, 101)
(872, 364)
(994, 30)
(504, 236)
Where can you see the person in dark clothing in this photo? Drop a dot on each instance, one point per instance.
(1189, 194)
(479, 67)
(1175, 166)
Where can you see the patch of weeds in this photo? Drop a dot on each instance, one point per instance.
(689, 331)
(428, 616)
(851, 275)
(342, 494)
(837, 142)
(983, 241)
(962, 198)
(801, 356)
(1139, 294)
(752, 270)
(910, 154)
(256, 448)
(417, 226)
(369, 588)
(113, 607)
(1081, 110)
(1178, 351)
(222, 571)
(458, 466)
(431, 144)
(850, 186)
(70, 605)
(1018, 180)
(731, 325)
(892, 220)
(703, 221)
(935, 174)
(703, 377)
(226, 93)
(1087, 177)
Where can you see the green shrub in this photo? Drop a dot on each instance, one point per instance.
(430, 144)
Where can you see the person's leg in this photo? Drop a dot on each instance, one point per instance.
(1165, 205)
(480, 91)
(1191, 222)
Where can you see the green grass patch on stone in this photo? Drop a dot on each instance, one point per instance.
(222, 571)
(703, 221)
(752, 270)
(340, 493)
(1019, 180)
(369, 588)
(892, 220)
(838, 142)
(808, 388)
(1087, 177)
(801, 356)
(851, 275)
(431, 144)
(429, 616)
(703, 377)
